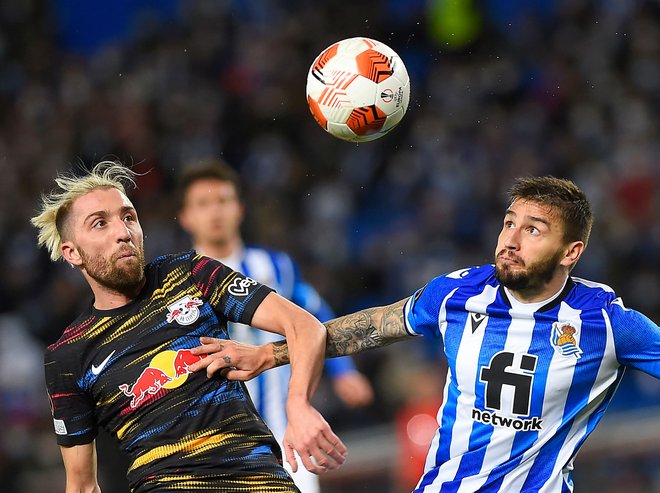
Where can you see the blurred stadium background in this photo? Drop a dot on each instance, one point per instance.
(500, 88)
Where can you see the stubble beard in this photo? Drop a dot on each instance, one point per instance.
(127, 278)
(533, 278)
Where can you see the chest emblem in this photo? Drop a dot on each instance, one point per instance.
(167, 370)
(563, 339)
(184, 311)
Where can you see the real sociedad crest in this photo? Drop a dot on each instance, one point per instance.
(563, 339)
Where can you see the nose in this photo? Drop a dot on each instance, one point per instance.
(511, 238)
(123, 232)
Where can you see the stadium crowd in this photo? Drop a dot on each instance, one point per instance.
(499, 89)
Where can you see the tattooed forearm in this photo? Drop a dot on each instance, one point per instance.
(281, 353)
(350, 334)
(366, 329)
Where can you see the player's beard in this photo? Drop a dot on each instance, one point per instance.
(534, 277)
(126, 278)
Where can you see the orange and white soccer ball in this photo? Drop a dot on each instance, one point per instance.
(358, 89)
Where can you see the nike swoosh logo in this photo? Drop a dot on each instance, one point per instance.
(97, 369)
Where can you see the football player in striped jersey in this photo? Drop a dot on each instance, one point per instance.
(534, 354)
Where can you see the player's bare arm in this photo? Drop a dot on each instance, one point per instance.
(307, 432)
(367, 329)
(80, 466)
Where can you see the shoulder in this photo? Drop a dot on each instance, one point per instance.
(468, 277)
(463, 283)
(72, 337)
(592, 285)
(590, 295)
(173, 260)
(593, 294)
(182, 263)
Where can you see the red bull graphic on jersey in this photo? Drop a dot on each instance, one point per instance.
(184, 311)
(563, 339)
(167, 370)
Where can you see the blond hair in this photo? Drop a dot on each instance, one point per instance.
(55, 206)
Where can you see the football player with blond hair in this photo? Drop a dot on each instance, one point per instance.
(124, 363)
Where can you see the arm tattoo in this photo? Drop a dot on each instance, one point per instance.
(350, 334)
(281, 353)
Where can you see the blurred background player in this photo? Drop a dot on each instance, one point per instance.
(211, 211)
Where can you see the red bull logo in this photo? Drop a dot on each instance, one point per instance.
(150, 381)
(182, 361)
(167, 370)
(185, 311)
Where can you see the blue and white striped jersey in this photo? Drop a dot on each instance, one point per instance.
(278, 271)
(527, 383)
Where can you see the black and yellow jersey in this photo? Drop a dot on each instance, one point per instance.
(126, 370)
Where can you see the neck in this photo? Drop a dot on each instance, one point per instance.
(219, 250)
(540, 293)
(106, 298)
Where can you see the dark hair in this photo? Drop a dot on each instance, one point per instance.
(214, 169)
(564, 196)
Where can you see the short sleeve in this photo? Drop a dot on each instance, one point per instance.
(418, 314)
(72, 408)
(230, 293)
(636, 339)
(425, 313)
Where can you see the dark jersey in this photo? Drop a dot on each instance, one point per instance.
(127, 370)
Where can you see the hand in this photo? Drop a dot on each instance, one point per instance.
(232, 360)
(311, 436)
(353, 389)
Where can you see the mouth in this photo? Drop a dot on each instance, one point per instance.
(126, 254)
(508, 259)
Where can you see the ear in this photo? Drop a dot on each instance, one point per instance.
(71, 254)
(573, 253)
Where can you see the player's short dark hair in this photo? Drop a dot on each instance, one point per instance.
(564, 196)
(213, 169)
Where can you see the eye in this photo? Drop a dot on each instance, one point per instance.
(129, 217)
(508, 224)
(99, 223)
(533, 230)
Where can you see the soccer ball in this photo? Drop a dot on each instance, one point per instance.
(358, 89)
